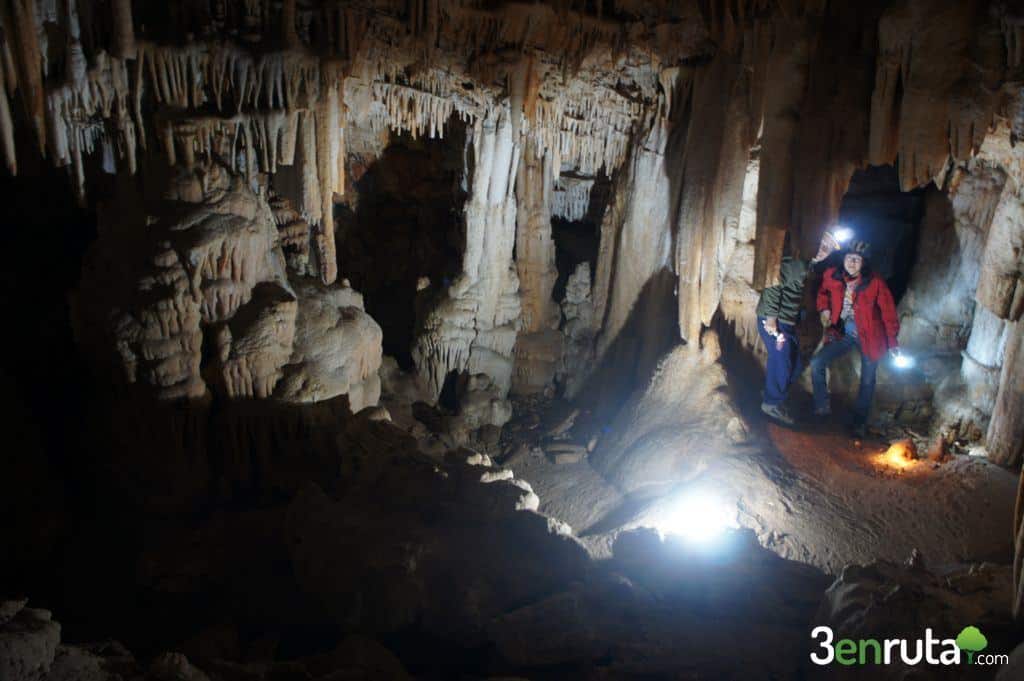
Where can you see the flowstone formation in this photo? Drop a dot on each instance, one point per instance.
(188, 292)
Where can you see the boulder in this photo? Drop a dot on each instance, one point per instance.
(28, 642)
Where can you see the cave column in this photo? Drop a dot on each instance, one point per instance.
(472, 329)
(539, 344)
(784, 91)
(1005, 441)
(715, 158)
(1001, 291)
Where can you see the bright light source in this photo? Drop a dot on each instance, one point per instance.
(901, 361)
(698, 516)
(842, 234)
(899, 456)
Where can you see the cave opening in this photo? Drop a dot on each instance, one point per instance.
(451, 390)
(888, 219)
(400, 232)
(579, 205)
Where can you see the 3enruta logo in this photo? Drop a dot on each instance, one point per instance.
(966, 648)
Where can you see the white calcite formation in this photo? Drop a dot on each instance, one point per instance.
(539, 344)
(472, 327)
(578, 327)
(337, 348)
(208, 302)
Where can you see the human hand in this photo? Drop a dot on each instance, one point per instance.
(771, 325)
(826, 318)
(828, 244)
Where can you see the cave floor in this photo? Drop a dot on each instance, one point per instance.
(813, 495)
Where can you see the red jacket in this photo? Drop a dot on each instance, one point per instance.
(873, 310)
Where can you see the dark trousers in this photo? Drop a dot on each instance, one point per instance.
(784, 365)
(828, 354)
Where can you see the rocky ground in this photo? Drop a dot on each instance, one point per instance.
(379, 549)
(810, 493)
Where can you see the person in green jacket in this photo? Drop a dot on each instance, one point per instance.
(778, 312)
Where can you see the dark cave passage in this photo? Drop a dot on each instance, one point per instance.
(888, 219)
(400, 237)
(577, 236)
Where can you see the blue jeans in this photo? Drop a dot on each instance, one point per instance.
(829, 353)
(783, 365)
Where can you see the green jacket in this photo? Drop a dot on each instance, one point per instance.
(785, 299)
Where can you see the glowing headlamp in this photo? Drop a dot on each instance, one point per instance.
(842, 234)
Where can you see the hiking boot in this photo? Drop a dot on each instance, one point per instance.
(777, 412)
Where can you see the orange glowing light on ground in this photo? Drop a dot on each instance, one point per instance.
(899, 455)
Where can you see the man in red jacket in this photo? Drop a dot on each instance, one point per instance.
(857, 311)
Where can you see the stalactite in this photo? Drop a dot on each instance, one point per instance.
(123, 42)
(311, 205)
(9, 65)
(715, 163)
(7, 129)
(571, 198)
(289, 37)
(289, 137)
(329, 146)
(25, 39)
(786, 78)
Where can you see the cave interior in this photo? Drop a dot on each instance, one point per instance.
(427, 340)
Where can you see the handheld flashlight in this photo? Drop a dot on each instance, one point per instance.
(901, 361)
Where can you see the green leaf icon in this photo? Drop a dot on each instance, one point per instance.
(971, 641)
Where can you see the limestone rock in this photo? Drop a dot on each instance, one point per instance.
(337, 349)
(630, 621)
(578, 328)
(884, 600)
(677, 425)
(28, 643)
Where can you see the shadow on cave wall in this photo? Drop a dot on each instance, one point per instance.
(43, 381)
(648, 334)
(404, 223)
